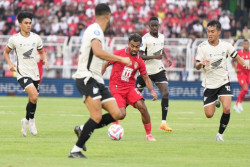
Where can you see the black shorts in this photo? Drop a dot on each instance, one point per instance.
(160, 77)
(211, 95)
(94, 89)
(27, 81)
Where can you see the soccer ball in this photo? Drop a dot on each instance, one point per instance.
(115, 132)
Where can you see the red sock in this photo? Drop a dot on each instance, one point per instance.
(242, 94)
(148, 128)
(116, 122)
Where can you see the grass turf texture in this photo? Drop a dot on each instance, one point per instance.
(192, 142)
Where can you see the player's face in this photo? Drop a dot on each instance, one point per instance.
(246, 45)
(25, 25)
(213, 34)
(134, 47)
(154, 26)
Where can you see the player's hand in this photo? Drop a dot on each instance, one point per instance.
(169, 63)
(126, 60)
(13, 68)
(155, 97)
(246, 66)
(205, 62)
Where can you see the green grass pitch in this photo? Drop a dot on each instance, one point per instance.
(192, 142)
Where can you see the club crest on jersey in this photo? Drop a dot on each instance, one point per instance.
(141, 44)
(97, 32)
(135, 65)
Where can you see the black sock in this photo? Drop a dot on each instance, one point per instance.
(28, 111)
(87, 131)
(164, 107)
(223, 122)
(106, 119)
(32, 110)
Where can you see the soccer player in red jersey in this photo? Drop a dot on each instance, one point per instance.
(243, 75)
(122, 82)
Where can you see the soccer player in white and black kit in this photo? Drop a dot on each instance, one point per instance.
(152, 51)
(90, 83)
(212, 59)
(26, 44)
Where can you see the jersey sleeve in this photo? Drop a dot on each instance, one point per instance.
(11, 43)
(143, 44)
(199, 54)
(231, 51)
(95, 34)
(142, 68)
(39, 43)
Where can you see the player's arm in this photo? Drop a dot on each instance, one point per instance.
(201, 64)
(145, 57)
(99, 52)
(44, 58)
(105, 66)
(6, 55)
(165, 55)
(149, 85)
(242, 62)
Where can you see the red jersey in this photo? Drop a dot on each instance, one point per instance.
(122, 75)
(246, 57)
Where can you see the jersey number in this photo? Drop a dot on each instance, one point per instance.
(126, 73)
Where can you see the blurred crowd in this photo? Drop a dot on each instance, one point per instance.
(179, 18)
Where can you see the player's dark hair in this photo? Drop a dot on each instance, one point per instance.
(102, 9)
(153, 18)
(246, 40)
(135, 37)
(24, 14)
(214, 23)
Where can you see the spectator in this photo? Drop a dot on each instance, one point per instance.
(225, 25)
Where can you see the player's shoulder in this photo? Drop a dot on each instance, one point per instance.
(147, 35)
(203, 44)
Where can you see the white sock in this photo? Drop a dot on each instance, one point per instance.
(76, 149)
(81, 127)
(163, 121)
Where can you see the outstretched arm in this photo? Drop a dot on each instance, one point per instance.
(149, 85)
(102, 54)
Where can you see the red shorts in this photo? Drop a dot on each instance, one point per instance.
(243, 79)
(126, 96)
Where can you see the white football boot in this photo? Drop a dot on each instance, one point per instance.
(240, 107)
(25, 126)
(32, 126)
(219, 137)
(236, 109)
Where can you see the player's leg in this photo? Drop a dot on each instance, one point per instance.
(140, 84)
(135, 99)
(226, 99)
(161, 82)
(31, 88)
(244, 88)
(95, 110)
(209, 99)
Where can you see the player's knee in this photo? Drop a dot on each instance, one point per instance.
(97, 118)
(141, 107)
(209, 115)
(245, 89)
(165, 95)
(34, 98)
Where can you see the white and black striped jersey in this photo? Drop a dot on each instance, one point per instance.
(153, 46)
(90, 65)
(216, 74)
(26, 51)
